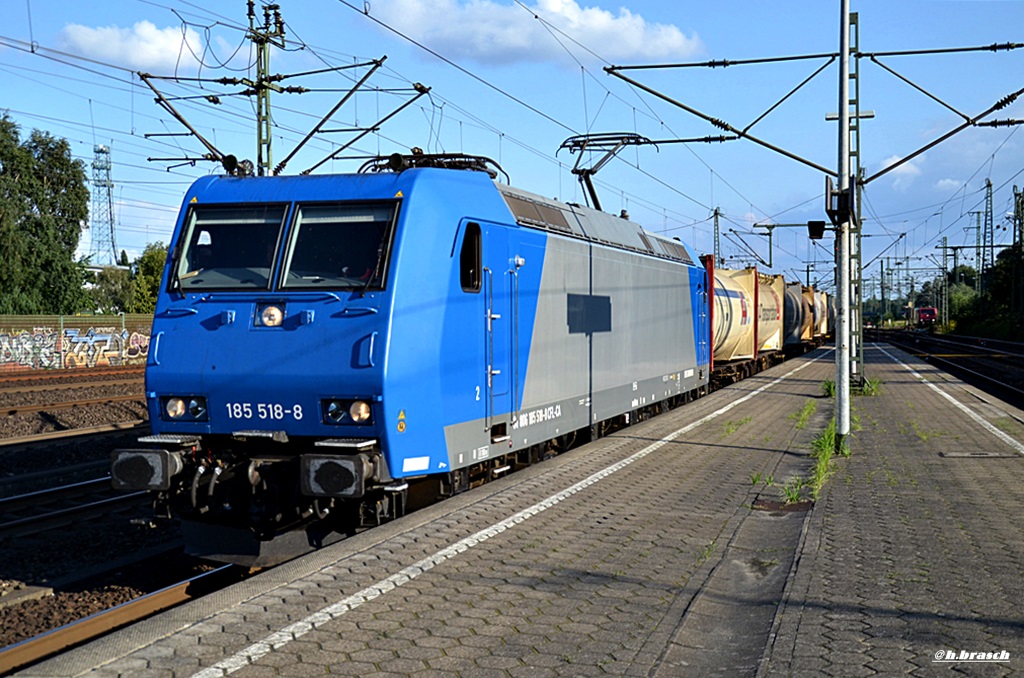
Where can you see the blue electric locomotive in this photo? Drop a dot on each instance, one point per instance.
(321, 343)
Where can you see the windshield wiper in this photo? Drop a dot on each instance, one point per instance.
(385, 239)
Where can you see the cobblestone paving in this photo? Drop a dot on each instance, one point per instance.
(488, 584)
(916, 549)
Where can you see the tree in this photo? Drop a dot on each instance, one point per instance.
(111, 291)
(927, 295)
(43, 204)
(148, 270)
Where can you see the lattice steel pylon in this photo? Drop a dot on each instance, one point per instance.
(103, 247)
(988, 258)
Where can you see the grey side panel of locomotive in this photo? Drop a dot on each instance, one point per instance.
(585, 341)
(587, 361)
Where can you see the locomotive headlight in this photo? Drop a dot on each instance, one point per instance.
(336, 411)
(175, 408)
(197, 408)
(271, 316)
(187, 408)
(359, 411)
(345, 411)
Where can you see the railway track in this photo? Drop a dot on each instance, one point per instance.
(71, 455)
(58, 507)
(995, 367)
(137, 426)
(61, 386)
(68, 404)
(97, 373)
(58, 640)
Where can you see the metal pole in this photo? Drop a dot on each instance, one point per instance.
(885, 304)
(842, 412)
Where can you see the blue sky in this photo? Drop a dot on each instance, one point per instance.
(512, 79)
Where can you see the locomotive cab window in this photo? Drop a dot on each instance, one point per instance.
(228, 247)
(469, 259)
(339, 246)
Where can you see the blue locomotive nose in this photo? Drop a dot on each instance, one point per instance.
(298, 365)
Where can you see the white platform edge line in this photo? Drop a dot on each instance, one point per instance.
(1012, 442)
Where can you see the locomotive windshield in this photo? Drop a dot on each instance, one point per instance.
(229, 247)
(341, 245)
(330, 246)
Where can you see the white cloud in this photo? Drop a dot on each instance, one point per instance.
(142, 47)
(491, 32)
(904, 175)
(948, 185)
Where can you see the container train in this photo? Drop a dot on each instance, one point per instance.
(326, 349)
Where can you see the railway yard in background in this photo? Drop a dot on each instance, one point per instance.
(687, 544)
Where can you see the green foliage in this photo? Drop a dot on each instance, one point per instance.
(804, 414)
(825, 444)
(43, 205)
(130, 290)
(791, 490)
(871, 387)
(828, 387)
(111, 290)
(731, 427)
(148, 270)
(823, 449)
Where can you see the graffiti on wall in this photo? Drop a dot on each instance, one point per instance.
(104, 347)
(32, 350)
(44, 348)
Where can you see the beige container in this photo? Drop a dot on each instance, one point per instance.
(770, 298)
(733, 314)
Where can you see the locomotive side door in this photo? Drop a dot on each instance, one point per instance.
(498, 329)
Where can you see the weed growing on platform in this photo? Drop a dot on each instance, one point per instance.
(825, 444)
(705, 553)
(923, 435)
(755, 478)
(870, 387)
(733, 426)
(803, 415)
(822, 449)
(791, 490)
(828, 387)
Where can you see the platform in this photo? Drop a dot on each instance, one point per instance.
(644, 554)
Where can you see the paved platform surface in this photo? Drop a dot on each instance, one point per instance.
(913, 557)
(651, 552)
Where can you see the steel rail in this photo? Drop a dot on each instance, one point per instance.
(45, 374)
(72, 384)
(53, 642)
(59, 517)
(31, 409)
(995, 384)
(8, 444)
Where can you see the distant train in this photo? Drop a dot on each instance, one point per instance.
(326, 349)
(925, 316)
